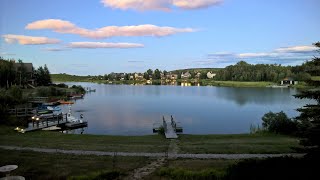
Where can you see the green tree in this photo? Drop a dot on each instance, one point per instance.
(278, 123)
(42, 76)
(309, 118)
(146, 76)
(157, 74)
(21, 74)
(150, 72)
(7, 73)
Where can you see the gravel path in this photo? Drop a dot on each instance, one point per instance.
(144, 154)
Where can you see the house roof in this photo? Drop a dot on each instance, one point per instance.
(288, 79)
(28, 66)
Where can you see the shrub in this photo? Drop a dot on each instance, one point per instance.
(273, 168)
(178, 173)
(49, 91)
(79, 89)
(278, 123)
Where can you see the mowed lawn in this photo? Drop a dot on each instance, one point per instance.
(237, 143)
(35, 165)
(221, 144)
(58, 140)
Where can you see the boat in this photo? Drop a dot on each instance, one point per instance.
(65, 102)
(56, 108)
(90, 90)
(76, 96)
(51, 103)
(73, 122)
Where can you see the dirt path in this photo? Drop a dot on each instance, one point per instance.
(140, 173)
(146, 170)
(144, 154)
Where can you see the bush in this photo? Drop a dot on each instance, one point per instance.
(273, 168)
(61, 85)
(177, 173)
(49, 91)
(278, 123)
(79, 89)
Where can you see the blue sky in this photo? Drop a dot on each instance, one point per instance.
(102, 36)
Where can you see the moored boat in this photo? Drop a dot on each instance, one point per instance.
(65, 102)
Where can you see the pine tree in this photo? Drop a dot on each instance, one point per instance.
(309, 119)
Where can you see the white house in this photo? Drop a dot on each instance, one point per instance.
(210, 75)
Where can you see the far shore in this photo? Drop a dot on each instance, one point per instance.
(188, 82)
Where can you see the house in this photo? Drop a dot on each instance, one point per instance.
(185, 75)
(210, 75)
(288, 81)
(171, 76)
(138, 76)
(198, 74)
(29, 70)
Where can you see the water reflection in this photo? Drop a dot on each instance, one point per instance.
(132, 110)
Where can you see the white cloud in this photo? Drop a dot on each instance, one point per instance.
(253, 55)
(29, 40)
(62, 26)
(94, 45)
(296, 49)
(162, 5)
(289, 56)
(55, 49)
(7, 54)
(195, 4)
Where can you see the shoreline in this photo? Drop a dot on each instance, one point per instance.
(237, 84)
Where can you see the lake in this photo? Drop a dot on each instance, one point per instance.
(132, 110)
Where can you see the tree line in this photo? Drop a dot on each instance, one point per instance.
(242, 71)
(12, 73)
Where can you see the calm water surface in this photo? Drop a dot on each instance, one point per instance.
(132, 110)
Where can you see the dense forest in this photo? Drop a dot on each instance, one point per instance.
(242, 71)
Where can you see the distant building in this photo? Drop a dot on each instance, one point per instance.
(171, 76)
(288, 81)
(185, 75)
(138, 76)
(197, 75)
(210, 75)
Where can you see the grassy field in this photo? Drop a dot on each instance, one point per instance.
(315, 78)
(239, 143)
(192, 169)
(45, 139)
(208, 82)
(68, 78)
(34, 165)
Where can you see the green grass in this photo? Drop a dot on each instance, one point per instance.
(209, 82)
(57, 140)
(193, 169)
(315, 78)
(68, 78)
(34, 165)
(238, 143)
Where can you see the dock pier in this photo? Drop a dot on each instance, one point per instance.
(46, 122)
(171, 128)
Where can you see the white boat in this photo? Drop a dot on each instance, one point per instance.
(73, 122)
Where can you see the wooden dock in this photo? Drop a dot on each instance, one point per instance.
(171, 128)
(45, 122)
(21, 112)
